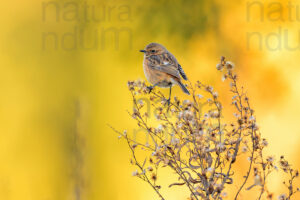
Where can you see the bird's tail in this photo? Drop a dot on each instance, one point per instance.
(183, 88)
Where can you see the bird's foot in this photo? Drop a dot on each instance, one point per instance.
(168, 101)
(150, 88)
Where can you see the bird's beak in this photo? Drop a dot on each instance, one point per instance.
(143, 51)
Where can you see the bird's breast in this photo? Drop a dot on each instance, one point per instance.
(147, 71)
(155, 76)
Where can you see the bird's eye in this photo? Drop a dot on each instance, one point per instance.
(152, 51)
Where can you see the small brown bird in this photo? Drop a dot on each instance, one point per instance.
(162, 69)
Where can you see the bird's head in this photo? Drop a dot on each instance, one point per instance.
(154, 49)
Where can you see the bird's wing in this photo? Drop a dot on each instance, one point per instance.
(169, 69)
(164, 64)
(182, 72)
(172, 58)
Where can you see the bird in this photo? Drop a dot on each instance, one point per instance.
(162, 69)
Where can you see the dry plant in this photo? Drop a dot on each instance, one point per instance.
(198, 146)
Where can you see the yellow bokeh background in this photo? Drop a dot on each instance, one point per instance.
(57, 97)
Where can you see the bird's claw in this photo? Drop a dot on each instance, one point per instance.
(168, 101)
(150, 88)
